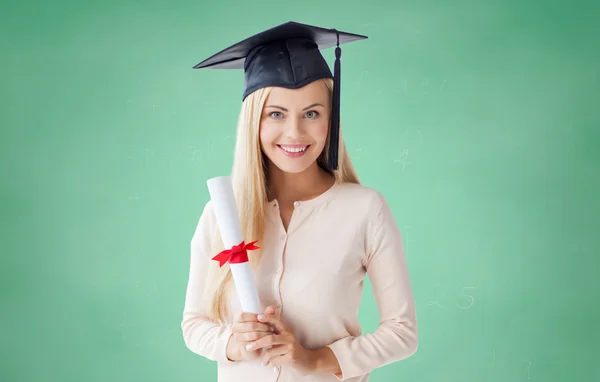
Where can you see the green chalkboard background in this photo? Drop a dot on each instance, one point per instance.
(478, 120)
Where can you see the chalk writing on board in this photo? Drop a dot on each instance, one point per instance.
(524, 372)
(467, 300)
(403, 159)
(463, 298)
(528, 370)
(438, 295)
(360, 149)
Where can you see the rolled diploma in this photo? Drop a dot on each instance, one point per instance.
(228, 220)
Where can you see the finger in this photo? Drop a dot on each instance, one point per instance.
(269, 340)
(273, 352)
(250, 336)
(276, 321)
(246, 317)
(271, 309)
(245, 327)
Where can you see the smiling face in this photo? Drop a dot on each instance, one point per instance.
(294, 126)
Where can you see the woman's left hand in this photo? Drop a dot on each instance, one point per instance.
(285, 349)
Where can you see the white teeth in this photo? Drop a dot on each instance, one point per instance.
(293, 149)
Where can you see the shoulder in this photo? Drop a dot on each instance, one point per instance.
(359, 195)
(355, 199)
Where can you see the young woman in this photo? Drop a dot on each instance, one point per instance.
(319, 231)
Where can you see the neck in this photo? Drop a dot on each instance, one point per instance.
(288, 187)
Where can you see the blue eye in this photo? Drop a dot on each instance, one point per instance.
(316, 113)
(275, 112)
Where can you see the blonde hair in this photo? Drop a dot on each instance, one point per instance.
(249, 178)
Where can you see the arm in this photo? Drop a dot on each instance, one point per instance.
(202, 335)
(396, 337)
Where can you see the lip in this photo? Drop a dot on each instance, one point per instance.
(293, 155)
(293, 145)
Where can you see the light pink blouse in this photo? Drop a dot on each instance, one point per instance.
(315, 271)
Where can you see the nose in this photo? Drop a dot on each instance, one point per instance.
(294, 128)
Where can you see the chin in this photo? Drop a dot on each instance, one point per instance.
(293, 168)
(291, 165)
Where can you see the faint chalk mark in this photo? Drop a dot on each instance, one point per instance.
(436, 301)
(135, 197)
(443, 86)
(425, 82)
(528, 370)
(407, 134)
(407, 237)
(125, 323)
(361, 76)
(147, 154)
(403, 160)
(152, 290)
(360, 150)
(195, 151)
(472, 298)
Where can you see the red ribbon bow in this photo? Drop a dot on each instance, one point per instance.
(237, 253)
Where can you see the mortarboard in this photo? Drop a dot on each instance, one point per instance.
(289, 56)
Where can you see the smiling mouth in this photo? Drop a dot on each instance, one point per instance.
(294, 149)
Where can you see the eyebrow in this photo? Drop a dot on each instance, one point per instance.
(284, 109)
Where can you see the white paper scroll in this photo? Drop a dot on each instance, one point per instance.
(228, 220)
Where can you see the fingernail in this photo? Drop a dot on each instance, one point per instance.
(248, 347)
(260, 317)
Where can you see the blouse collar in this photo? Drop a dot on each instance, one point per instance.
(310, 203)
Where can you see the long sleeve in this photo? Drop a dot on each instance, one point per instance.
(396, 337)
(202, 335)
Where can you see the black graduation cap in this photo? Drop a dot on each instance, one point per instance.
(289, 56)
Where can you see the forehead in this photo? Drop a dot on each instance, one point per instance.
(316, 91)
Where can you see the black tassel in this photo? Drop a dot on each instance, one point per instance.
(334, 136)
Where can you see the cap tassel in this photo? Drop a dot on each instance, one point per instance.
(334, 136)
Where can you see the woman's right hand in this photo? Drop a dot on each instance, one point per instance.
(246, 329)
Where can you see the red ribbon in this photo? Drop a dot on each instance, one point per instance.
(237, 254)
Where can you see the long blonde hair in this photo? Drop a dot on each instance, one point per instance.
(249, 178)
